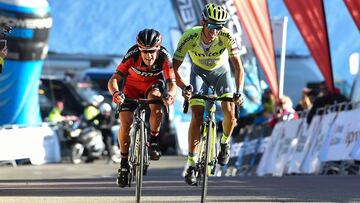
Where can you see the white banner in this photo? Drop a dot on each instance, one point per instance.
(343, 138)
(353, 135)
(339, 144)
(268, 159)
(286, 147)
(312, 162)
(39, 144)
(302, 145)
(355, 153)
(295, 147)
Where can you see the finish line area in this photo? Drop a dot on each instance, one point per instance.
(95, 182)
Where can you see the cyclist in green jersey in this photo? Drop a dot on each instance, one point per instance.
(209, 47)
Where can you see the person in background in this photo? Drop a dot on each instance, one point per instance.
(210, 46)
(55, 116)
(284, 111)
(3, 54)
(106, 121)
(91, 111)
(325, 98)
(269, 103)
(3, 44)
(305, 101)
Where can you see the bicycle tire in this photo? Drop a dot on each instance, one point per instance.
(146, 152)
(213, 150)
(140, 162)
(206, 168)
(200, 161)
(132, 154)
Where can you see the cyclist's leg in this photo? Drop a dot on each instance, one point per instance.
(154, 92)
(194, 142)
(197, 109)
(225, 88)
(126, 118)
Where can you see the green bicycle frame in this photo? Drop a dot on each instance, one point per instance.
(208, 152)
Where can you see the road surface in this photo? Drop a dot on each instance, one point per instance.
(95, 182)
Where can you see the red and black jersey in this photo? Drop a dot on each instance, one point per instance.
(134, 69)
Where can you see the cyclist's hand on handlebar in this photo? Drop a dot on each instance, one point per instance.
(118, 97)
(238, 99)
(169, 99)
(187, 92)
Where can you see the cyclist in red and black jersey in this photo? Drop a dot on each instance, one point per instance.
(140, 70)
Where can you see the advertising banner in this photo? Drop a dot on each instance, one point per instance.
(302, 145)
(343, 136)
(312, 162)
(286, 147)
(268, 160)
(27, 48)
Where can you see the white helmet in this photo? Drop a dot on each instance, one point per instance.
(105, 107)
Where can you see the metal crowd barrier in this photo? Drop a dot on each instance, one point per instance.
(250, 138)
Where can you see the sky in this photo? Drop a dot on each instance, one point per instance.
(110, 27)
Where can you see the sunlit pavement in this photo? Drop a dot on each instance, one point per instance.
(95, 182)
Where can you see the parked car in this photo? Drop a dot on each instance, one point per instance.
(76, 95)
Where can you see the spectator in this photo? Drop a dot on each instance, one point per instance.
(106, 121)
(267, 110)
(91, 111)
(3, 44)
(305, 102)
(55, 115)
(325, 98)
(268, 101)
(284, 111)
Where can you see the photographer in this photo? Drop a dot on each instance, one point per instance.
(3, 45)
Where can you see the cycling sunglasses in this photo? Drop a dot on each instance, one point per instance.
(214, 26)
(149, 50)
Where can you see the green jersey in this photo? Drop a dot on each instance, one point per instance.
(208, 58)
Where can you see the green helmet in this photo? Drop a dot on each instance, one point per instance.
(215, 12)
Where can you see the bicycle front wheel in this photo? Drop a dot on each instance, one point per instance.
(206, 169)
(140, 161)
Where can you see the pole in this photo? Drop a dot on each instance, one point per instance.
(282, 57)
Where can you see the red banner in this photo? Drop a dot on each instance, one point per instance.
(254, 17)
(309, 17)
(354, 8)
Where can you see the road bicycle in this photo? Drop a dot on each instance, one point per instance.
(207, 159)
(138, 150)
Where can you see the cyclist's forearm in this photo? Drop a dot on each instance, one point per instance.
(179, 81)
(239, 73)
(171, 88)
(113, 83)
